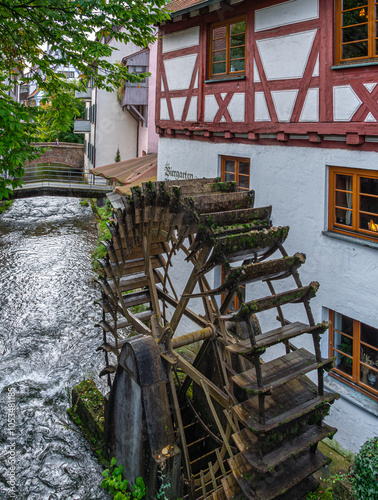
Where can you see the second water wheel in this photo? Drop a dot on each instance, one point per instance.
(198, 413)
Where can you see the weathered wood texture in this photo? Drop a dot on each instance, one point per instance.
(257, 415)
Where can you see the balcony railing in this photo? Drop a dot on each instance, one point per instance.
(87, 95)
(135, 96)
(82, 126)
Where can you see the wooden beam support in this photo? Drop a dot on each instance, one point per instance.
(190, 338)
(199, 320)
(197, 376)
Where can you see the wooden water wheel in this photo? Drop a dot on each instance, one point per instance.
(220, 423)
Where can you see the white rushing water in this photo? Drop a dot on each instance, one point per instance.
(47, 345)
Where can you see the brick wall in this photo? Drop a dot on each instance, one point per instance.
(66, 153)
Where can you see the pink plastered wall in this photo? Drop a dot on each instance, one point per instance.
(148, 138)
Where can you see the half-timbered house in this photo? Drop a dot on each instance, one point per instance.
(282, 97)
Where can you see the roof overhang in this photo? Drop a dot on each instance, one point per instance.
(130, 173)
(184, 6)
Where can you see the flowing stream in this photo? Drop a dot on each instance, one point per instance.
(47, 345)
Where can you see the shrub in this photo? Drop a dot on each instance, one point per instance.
(118, 487)
(103, 216)
(365, 471)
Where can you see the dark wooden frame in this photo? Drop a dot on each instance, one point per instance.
(354, 379)
(333, 225)
(371, 6)
(227, 24)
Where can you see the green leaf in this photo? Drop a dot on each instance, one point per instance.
(119, 470)
(124, 485)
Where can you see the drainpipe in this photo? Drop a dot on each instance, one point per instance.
(137, 139)
(95, 131)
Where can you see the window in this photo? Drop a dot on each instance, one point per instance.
(237, 170)
(227, 49)
(355, 347)
(137, 70)
(353, 202)
(356, 30)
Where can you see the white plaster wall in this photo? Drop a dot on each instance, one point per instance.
(354, 425)
(181, 39)
(293, 11)
(179, 71)
(285, 57)
(114, 128)
(153, 138)
(294, 182)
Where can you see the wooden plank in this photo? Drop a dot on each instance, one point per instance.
(108, 326)
(187, 312)
(135, 322)
(272, 269)
(239, 228)
(203, 485)
(276, 336)
(240, 216)
(217, 202)
(192, 186)
(249, 273)
(302, 489)
(286, 404)
(197, 377)
(130, 282)
(151, 282)
(219, 494)
(277, 483)
(271, 301)
(231, 488)
(246, 442)
(137, 266)
(204, 385)
(136, 252)
(220, 462)
(279, 371)
(190, 285)
(245, 246)
(180, 425)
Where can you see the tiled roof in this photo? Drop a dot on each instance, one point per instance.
(35, 92)
(177, 5)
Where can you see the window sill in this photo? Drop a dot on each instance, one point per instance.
(229, 79)
(352, 239)
(352, 396)
(355, 65)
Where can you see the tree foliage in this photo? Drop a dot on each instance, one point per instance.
(74, 31)
(56, 114)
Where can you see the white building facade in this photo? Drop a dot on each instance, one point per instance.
(111, 122)
(271, 95)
